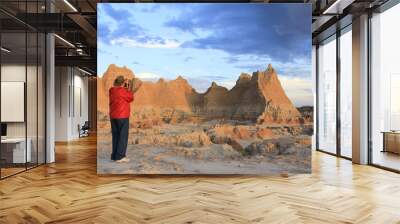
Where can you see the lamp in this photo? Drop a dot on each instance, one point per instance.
(5, 50)
(70, 5)
(84, 71)
(64, 40)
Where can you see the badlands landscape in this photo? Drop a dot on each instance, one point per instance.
(252, 128)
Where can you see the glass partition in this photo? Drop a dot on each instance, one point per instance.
(14, 153)
(22, 88)
(31, 97)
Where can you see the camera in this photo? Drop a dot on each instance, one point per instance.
(128, 84)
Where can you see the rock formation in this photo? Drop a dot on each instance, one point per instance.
(279, 108)
(258, 98)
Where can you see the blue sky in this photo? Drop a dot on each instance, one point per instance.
(209, 42)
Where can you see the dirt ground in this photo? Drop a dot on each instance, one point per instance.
(210, 148)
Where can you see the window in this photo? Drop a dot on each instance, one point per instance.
(346, 93)
(385, 89)
(327, 95)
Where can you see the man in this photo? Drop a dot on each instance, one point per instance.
(121, 96)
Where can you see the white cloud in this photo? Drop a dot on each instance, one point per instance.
(151, 43)
(228, 84)
(298, 90)
(147, 76)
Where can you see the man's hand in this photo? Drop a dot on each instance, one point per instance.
(130, 85)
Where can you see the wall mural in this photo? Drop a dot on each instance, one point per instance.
(204, 88)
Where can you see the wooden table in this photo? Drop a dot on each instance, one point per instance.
(391, 141)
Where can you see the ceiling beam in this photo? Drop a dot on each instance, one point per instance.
(85, 25)
(49, 22)
(77, 61)
(337, 7)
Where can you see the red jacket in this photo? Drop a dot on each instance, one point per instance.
(120, 99)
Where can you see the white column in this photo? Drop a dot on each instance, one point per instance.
(62, 103)
(50, 92)
(50, 100)
(360, 90)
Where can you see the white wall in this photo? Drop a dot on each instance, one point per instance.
(61, 103)
(80, 110)
(71, 94)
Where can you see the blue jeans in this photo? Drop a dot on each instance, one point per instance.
(120, 134)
